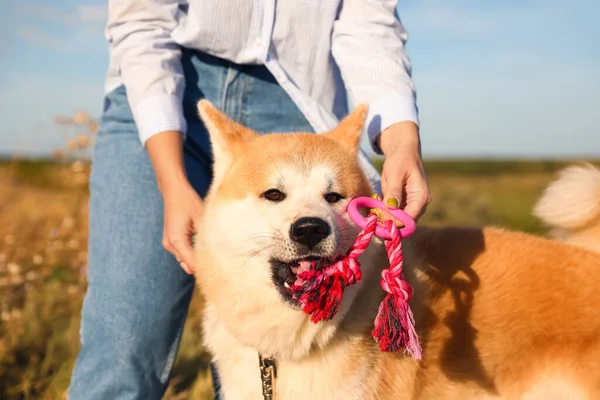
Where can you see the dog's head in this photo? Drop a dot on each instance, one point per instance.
(277, 203)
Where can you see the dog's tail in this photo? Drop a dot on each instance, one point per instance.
(570, 206)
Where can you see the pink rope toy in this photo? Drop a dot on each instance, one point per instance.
(320, 292)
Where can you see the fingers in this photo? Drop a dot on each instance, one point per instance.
(181, 248)
(384, 215)
(417, 199)
(182, 216)
(392, 198)
(408, 193)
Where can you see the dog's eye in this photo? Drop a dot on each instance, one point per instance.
(333, 197)
(274, 195)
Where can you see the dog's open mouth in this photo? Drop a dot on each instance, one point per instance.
(286, 274)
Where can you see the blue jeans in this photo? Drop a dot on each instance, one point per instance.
(138, 296)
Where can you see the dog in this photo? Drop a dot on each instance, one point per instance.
(499, 314)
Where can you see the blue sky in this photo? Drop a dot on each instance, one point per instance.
(494, 78)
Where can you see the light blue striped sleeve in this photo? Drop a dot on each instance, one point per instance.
(139, 34)
(368, 44)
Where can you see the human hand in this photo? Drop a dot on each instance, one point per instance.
(403, 180)
(183, 207)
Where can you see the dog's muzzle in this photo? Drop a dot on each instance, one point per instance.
(309, 232)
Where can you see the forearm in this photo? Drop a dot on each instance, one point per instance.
(401, 134)
(165, 150)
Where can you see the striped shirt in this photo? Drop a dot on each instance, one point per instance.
(322, 52)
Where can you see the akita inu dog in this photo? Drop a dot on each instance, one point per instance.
(499, 314)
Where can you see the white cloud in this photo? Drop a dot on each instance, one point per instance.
(35, 36)
(58, 28)
(98, 14)
(67, 16)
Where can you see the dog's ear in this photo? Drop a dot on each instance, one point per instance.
(349, 130)
(226, 136)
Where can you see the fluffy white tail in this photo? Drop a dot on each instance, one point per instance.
(571, 206)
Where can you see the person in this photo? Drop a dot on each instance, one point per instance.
(272, 66)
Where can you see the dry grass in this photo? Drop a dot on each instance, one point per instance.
(43, 261)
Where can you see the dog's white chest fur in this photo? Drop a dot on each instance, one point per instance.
(239, 371)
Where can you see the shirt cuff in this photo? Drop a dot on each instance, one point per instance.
(157, 114)
(387, 111)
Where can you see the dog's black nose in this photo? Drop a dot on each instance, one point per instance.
(309, 231)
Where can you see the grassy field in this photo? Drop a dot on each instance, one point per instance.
(43, 259)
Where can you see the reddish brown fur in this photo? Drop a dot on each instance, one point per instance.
(281, 149)
(496, 312)
(496, 309)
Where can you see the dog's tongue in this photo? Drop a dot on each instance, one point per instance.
(303, 266)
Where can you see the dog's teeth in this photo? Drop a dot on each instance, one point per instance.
(286, 285)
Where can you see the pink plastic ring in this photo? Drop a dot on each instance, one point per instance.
(352, 208)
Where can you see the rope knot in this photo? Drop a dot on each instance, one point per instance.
(396, 285)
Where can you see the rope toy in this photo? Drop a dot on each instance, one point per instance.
(320, 292)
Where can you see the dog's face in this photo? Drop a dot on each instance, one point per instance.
(277, 203)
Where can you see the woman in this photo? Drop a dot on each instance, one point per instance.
(272, 66)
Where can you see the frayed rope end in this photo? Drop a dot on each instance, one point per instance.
(394, 327)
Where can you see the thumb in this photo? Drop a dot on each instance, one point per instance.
(392, 200)
(393, 197)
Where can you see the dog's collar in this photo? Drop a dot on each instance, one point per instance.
(268, 373)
